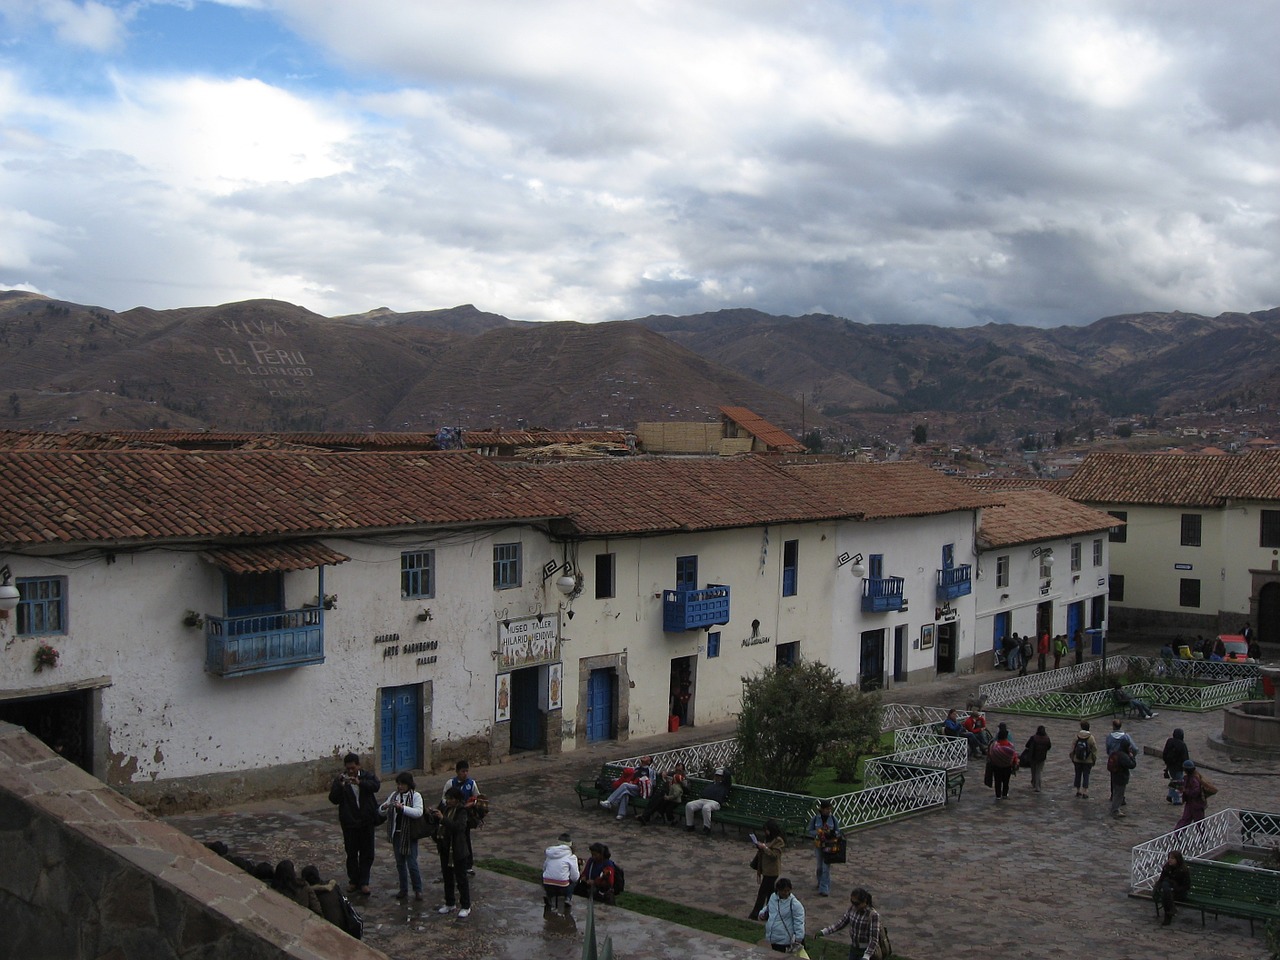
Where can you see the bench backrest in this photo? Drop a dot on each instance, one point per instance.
(1226, 881)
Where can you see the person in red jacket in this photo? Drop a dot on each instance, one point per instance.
(1043, 651)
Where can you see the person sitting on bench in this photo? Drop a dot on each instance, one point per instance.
(713, 797)
(1123, 699)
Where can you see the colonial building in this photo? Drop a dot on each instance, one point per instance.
(1042, 566)
(190, 624)
(1200, 552)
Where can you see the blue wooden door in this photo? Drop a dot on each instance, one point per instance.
(400, 719)
(526, 718)
(600, 705)
(686, 573)
(1075, 621)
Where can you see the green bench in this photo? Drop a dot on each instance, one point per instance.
(1234, 890)
(588, 792)
(750, 807)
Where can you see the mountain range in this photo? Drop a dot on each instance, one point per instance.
(264, 365)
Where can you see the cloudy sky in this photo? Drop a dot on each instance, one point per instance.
(943, 162)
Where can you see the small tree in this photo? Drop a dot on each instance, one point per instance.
(919, 433)
(789, 715)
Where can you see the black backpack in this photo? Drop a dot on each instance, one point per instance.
(352, 922)
(1081, 752)
(619, 879)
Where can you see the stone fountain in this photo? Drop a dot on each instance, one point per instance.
(1252, 728)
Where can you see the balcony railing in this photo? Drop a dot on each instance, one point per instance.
(691, 609)
(881, 594)
(270, 641)
(954, 582)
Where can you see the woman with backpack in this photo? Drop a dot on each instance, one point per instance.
(1084, 754)
(403, 808)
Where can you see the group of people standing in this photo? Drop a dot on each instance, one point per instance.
(408, 819)
(1017, 651)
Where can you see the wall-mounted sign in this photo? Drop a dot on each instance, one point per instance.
(1182, 566)
(528, 641)
(945, 613)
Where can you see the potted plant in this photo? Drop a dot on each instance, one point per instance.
(46, 656)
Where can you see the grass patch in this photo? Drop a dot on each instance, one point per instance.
(707, 921)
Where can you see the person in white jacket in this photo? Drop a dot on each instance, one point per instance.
(401, 806)
(783, 918)
(560, 871)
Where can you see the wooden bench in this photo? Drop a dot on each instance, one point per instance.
(1234, 890)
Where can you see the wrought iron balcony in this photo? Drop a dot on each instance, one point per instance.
(882, 594)
(235, 646)
(954, 582)
(691, 609)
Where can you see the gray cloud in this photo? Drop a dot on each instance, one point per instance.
(1032, 163)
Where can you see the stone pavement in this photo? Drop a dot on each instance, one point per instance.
(1040, 875)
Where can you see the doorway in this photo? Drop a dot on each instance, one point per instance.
(900, 653)
(871, 660)
(1044, 621)
(1075, 621)
(400, 726)
(1269, 613)
(947, 647)
(681, 692)
(601, 685)
(526, 712)
(63, 722)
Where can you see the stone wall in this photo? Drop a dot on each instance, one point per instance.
(86, 873)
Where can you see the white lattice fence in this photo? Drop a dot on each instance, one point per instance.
(893, 790)
(924, 745)
(697, 758)
(1226, 828)
(895, 715)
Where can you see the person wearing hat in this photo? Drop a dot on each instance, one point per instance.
(1195, 795)
(824, 830)
(715, 794)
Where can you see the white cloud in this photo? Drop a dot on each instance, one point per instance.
(570, 160)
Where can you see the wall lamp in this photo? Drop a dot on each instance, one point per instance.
(9, 595)
(425, 615)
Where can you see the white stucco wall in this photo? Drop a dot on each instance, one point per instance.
(1022, 597)
(631, 621)
(912, 549)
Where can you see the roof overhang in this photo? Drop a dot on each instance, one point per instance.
(273, 557)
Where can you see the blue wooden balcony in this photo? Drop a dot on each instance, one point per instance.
(954, 582)
(691, 609)
(235, 646)
(881, 594)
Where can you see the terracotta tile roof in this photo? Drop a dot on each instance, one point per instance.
(535, 438)
(262, 558)
(1010, 483)
(36, 440)
(1184, 481)
(775, 438)
(638, 495)
(114, 496)
(1028, 516)
(881, 490)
